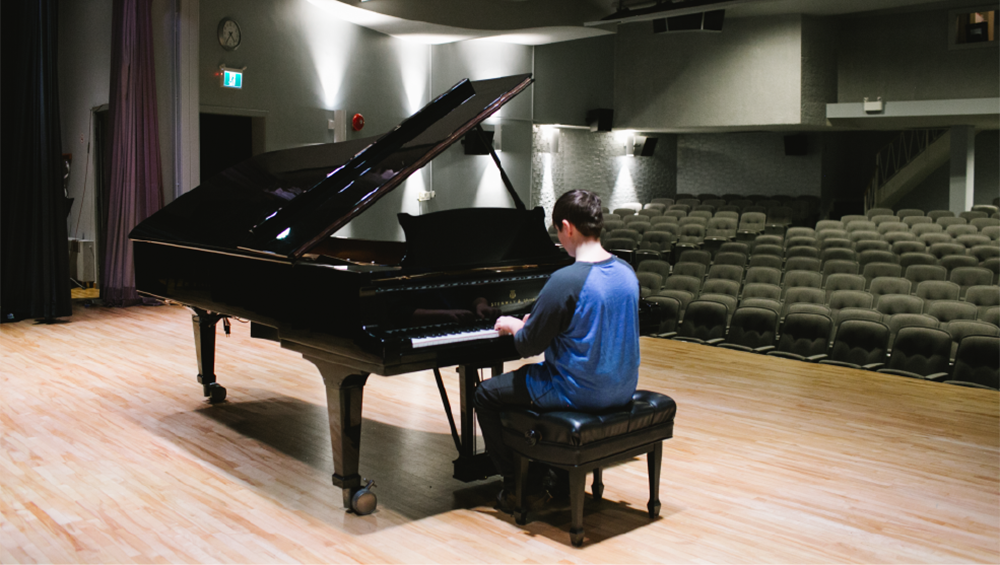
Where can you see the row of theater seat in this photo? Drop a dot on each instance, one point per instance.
(937, 273)
(959, 352)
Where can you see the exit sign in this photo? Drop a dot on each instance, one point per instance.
(232, 78)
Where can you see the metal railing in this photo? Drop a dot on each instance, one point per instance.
(895, 156)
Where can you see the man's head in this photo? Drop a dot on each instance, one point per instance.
(582, 209)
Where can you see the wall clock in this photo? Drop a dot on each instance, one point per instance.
(230, 35)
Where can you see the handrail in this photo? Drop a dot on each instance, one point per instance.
(895, 156)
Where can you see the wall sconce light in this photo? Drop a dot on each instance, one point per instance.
(625, 143)
(549, 139)
(338, 125)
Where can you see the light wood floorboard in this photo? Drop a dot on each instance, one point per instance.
(108, 454)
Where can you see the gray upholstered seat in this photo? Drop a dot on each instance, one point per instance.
(977, 363)
(860, 344)
(804, 336)
(752, 329)
(921, 353)
(889, 304)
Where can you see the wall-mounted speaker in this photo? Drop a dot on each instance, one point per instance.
(796, 145)
(644, 146)
(703, 21)
(599, 119)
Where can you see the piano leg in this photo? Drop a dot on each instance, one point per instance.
(204, 344)
(344, 394)
(472, 466)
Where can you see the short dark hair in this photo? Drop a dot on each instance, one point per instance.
(582, 209)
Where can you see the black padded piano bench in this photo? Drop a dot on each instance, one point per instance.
(580, 442)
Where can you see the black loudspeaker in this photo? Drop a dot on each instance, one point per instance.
(599, 119)
(702, 21)
(476, 144)
(796, 145)
(644, 146)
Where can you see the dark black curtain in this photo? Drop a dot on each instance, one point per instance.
(34, 252)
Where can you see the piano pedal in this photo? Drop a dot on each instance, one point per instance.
(225, 325)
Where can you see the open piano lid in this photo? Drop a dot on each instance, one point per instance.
(283, 203)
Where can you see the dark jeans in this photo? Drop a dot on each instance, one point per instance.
(493, 396)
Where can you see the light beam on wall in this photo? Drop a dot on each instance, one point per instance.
(624, 189)
(328, 39)
(413, 68)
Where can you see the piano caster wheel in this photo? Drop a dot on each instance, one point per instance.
(215, 393)
(364, 501)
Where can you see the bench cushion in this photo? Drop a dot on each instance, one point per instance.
(577, 438)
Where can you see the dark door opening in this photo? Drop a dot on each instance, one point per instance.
(225, 141)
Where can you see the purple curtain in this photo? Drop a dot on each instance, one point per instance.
(34, 261)
(136, 182)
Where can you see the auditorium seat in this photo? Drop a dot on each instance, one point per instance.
(977, 363)
(649, 283)
(937, 290)
(766, 261)
(891, 304)
(735, 247)
(766, 275)
(859, 344)
(952, 262)
(804, 336)
(936, 214)
(879, 212)
(973, 214)
(920, 353)
(840, 299)
(929, 239)
(940, 250)
(908, 212)
(920, 229)
(889, 286)
(704, 322)
(801, 278)
(669, 311)
(659, 267)
(956, 230)
(950, 221)
(751, 329)
(917, 220)
(768, 291)
(901, 247)
(990, 315)
(948, 310)
(829, 225)
(966, 277)
(984, 252)
(899, 321)
(971, 241)
(801, 295)
(730, 258)
(872, 245)
(983, 296)
(920, 273)
(960, 329)
(802, 251)
(875, 270)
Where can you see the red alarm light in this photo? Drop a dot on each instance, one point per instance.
(358, 122)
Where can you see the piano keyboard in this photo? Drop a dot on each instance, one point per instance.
(457, 337)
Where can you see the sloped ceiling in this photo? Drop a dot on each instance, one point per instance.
(538, 22)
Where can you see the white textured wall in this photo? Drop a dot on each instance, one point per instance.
(594, 162)
(746, 163)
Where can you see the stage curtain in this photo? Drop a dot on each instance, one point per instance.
(34, 261)
(136, 182)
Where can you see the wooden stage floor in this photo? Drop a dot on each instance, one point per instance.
(108, 453)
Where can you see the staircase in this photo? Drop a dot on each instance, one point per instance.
(903, 164)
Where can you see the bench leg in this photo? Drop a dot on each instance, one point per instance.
(598, 487)
(577, 480)
(653, 459)
(521, 511)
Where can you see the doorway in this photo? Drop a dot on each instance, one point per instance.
(225, 141)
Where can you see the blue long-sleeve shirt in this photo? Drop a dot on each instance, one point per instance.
(586, 321)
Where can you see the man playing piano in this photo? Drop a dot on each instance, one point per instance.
(586, 322)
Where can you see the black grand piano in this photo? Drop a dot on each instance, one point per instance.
(258, 242)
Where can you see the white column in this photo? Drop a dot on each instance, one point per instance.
(963, 168)
(187, 163)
